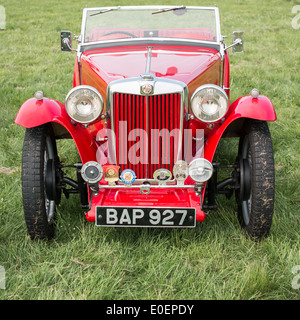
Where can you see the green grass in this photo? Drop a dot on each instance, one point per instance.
(213, 261)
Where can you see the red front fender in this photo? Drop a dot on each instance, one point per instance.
(260, 108)
(35, 112)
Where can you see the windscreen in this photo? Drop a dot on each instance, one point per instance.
(106, 24)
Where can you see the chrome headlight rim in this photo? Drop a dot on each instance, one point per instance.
(209, 86)
(99, 111)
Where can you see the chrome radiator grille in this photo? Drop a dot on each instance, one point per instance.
(147, 130)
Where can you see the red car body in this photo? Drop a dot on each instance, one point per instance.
(191, 65)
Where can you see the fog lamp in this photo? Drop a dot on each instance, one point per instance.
(200, 170)
(92, 172)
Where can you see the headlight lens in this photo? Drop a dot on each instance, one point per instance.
(84, 104)
(209, 103)
(200, 170)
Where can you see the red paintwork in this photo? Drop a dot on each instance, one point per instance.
(244, 107)
(191, 65)
(34, 113)
(175, 63)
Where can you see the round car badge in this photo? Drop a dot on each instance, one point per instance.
(111, 173)
(162, 175)
(128, 176)
(147, 88)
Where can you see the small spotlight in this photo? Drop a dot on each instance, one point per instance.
(200, 170)
(92, 172)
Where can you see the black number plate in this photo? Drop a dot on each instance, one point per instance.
(146, 217)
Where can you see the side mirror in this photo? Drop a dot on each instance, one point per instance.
(238, 41)
(66, 41)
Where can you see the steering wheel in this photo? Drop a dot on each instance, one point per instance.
(120, 32)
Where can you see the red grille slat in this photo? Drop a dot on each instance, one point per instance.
(116, 124)
(129, 143)
(137, 127)
(171, 132)
(156, 149)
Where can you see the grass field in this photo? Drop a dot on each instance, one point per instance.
(213, 261)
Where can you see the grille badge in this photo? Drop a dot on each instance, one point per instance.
(111, 174)
(128, 176)
(146, 88)
(162, 176)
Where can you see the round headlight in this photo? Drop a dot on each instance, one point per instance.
(209, 103)
(200, 170)
(84, 104)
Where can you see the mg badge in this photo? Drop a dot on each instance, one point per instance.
(146, 88)
(111, 173)
(162, 176)
(128, 176)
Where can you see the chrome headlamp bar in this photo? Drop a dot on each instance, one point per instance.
(200, 170)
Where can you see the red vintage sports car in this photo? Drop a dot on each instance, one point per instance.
(148, 107)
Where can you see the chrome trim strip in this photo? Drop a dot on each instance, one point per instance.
(147, 123)
(150, 41)
(156, 186)
(218, 28)
(148, 64)
(221, 70)
(132, 86)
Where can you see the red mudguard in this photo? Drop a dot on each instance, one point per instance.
(35, 112)
(260, 108)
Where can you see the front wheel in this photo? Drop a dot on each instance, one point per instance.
(255, 198)
(40, 195)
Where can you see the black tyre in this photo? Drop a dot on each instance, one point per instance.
(255, 198)
(38, 161)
